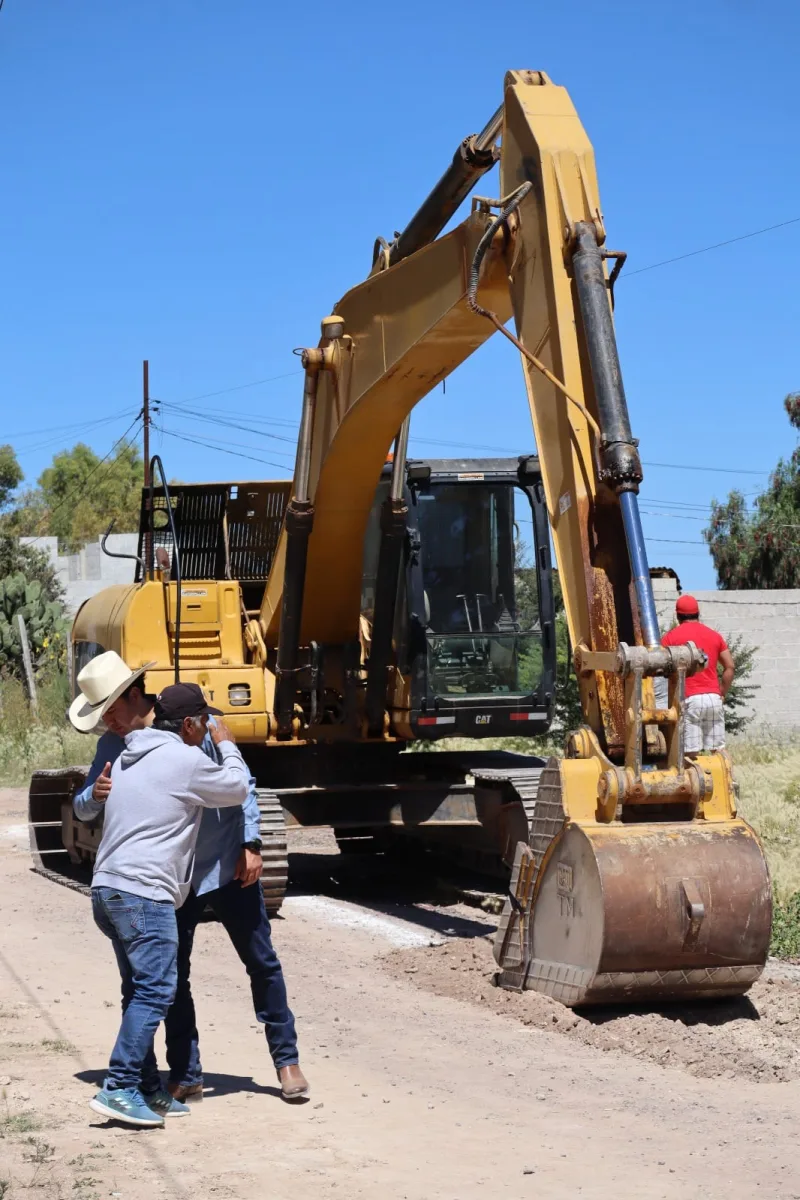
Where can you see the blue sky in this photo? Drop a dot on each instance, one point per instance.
(198, 183)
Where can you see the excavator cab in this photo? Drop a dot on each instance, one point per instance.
(474, 628)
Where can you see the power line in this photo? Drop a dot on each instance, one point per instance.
(82, 486)
(212, 446)
(30, 450)
(225, 442)
(248, 416)
(422, 441)
(665, 262)
(654, 512)
(222, 421)
(676, 541)
(73, 425)
(719, 470)
(239, 387)
(671, 466)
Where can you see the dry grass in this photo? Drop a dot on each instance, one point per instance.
(27, 744)
(767, 770)
(38, 748)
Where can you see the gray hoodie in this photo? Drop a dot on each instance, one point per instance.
(152, 816)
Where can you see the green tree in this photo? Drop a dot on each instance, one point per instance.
(761, 548)
(10, 474)
(78, 495)
(740, 693)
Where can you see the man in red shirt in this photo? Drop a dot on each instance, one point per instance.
(705, 720)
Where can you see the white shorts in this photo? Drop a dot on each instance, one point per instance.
(705, 723)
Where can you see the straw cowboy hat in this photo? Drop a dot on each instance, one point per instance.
(102, 681)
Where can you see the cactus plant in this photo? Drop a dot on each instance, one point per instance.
(45, 623)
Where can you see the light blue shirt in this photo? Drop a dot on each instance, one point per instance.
(222, 830)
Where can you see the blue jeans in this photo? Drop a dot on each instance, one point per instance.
(144, 935)
(241, 911)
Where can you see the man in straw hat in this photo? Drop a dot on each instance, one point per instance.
(159, 786)
(227, 865)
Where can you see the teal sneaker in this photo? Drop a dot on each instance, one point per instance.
(165, 1105)
(127, 1105)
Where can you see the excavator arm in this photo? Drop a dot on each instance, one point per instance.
(410, 324)
(638, 879)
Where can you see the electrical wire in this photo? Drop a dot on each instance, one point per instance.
(80, 490)
(231, 414)
(676, 541)
(654, 512)
(420, 440)
(281, 422)
(240, 387)
(72, 426)
(215, 420)
(716, 470)
(212, 446)
(224, 442)
(30, 450)
(671, 466)
(665, 262)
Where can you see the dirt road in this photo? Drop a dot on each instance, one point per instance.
(416, 1095)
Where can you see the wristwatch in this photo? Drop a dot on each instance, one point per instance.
(254, 845)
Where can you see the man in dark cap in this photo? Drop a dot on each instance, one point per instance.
(159, 786)
(226, 876)
(705, 691)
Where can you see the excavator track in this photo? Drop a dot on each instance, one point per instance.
(274, 850)
(517, 787)
(48, 791)
(523, 782)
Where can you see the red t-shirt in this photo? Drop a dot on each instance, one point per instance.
(705, 639)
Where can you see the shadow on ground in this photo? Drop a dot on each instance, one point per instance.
(214, 1085)
(396, 887)
(707, 1012)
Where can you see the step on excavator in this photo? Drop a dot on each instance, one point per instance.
(369, 604)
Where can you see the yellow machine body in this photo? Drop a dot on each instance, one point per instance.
(138, 622)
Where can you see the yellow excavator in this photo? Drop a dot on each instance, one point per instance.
(369, 604)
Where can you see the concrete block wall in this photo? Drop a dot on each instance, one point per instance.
(767, 620)
(89, 571)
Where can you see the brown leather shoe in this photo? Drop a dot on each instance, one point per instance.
(183, 1092)
(294, 1085)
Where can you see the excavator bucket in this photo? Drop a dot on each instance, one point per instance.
(616, 912)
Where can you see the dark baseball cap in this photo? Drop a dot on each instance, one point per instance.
(183, 700)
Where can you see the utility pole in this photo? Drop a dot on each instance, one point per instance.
(28, 665)
(146, 415)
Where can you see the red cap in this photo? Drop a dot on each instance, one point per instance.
(687, 606)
